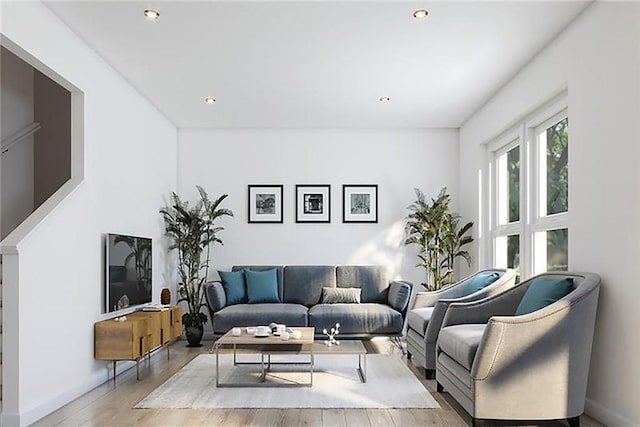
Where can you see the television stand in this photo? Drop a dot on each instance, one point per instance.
(142, 333)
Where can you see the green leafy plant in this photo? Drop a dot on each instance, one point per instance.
(193, 232)
(437, 231)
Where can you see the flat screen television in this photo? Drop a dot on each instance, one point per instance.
(128, 272)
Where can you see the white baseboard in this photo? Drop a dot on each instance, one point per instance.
(606, 416)
(32, 415)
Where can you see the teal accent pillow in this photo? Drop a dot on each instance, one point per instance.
(234, 286)
(262, 286)
(481, 281)
(542, 292)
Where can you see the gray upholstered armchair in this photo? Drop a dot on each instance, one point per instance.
(425, 318)
(533, 366)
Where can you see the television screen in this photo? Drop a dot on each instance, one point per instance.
(128, 280)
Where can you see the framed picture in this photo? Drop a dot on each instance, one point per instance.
(313, 203)
(265, 203)
(360, 203)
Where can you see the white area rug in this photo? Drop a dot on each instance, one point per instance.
(336, 384)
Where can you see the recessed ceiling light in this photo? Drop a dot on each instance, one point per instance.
(420, 13)
(151, 14)
(385, 99)
(209, 100)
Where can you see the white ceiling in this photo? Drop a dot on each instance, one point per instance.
(314, 64)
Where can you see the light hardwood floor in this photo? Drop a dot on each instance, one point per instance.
(109, 405)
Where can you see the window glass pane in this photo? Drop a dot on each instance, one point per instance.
(508, 252)
(554, 153)
(558, 250)
(551, 250)
(513, 164)
(508, 166)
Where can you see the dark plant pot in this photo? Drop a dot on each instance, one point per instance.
(194, 335)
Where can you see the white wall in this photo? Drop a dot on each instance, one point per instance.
(17, 164)
(598, 57)
(226, 161)
(130, 164)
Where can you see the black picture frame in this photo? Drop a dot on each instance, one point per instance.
(365, 196)
(313, 203)
(265, 203)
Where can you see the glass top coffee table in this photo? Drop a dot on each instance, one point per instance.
(274, 345)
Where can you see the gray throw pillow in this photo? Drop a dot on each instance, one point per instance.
(341, 295)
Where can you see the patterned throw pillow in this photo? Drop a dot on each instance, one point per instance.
(341, 295)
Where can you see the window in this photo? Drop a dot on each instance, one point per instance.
(507, 228)
(529, 191)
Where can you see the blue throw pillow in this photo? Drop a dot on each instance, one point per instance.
(481, 281)
(262, 286)
(542, 292)
(234, 286)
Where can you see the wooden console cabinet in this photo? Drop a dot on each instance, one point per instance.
(142, 333)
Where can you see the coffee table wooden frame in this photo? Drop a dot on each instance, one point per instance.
(273, 345)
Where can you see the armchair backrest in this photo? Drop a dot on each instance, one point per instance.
(507, 279)
(460, 292)
(583, 284)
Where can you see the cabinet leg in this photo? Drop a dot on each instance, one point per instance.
(114, 372)
(138, 369)
(168, 351)
(574, 421)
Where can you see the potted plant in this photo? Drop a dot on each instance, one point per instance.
(436, 230)
(193, 232)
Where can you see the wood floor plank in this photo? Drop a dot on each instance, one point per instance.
(264, 417)
(311, 417)
(379, 417)
(289, 417)
(356, 417)
(333, 418)
(402, 418)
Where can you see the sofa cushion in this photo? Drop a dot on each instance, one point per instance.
(372, 279)
(418, 319)
(542, 292)
(279, 271)
(399, 295)
(481, 281)
(259, 314)
(460, 342)
(215, 295)
(356, 318)
(234, 285)
(341, 295)
(303, 283)
(262, 286)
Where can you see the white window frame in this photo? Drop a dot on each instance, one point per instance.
(531, 219)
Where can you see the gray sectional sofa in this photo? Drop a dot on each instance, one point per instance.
(381, 312)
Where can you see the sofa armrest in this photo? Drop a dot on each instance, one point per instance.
(399, 295)
(215, 296)
(435, 322)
